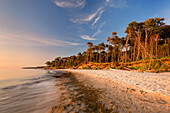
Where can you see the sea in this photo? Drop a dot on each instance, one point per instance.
(46, 91)
(28, 90)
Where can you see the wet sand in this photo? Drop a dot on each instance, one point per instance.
(115, 96)
(76, 96)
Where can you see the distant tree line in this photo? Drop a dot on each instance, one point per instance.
(144, 40)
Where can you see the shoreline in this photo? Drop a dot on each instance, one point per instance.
(150, 82)
(125, 93)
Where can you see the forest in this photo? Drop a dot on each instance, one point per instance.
(146, 42)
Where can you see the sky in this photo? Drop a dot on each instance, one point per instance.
(35, 31)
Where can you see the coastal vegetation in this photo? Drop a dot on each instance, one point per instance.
(145, 47)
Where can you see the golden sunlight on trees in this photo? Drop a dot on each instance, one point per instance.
(146, 42)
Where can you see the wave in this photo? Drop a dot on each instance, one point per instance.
(31, 81)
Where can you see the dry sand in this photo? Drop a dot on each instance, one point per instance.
(127, 91)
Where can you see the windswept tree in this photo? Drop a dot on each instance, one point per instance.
(96, 47)
(90, 50)
(144, 40)
(157, 30)
(109, 41)
(48, 63)
(101, 48)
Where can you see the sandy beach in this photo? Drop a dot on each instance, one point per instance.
(127, 91)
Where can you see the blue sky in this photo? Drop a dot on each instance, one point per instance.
(34, 31)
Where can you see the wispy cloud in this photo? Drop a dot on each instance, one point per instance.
(11, 39)
(84, 18)
(2, 43)
(87, 37)
(97, 19)
(69, 3)
(164, 13)
(117, 3)
(98, 30)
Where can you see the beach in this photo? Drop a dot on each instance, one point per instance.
(94, 91)
(127, 91)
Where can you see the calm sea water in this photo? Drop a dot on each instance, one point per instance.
(36, 91)
(27, 90)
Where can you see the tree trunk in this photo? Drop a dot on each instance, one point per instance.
(115, 55)
(144, 64)
(138, 47)
(100, 57)
(121, 55)
(131, 54)
(151, 51)
(165, 40)
(112, 55)
(126, 48)
(134, 53)
(157, 35)
(97, 56)
(146, 41)
(108, 52)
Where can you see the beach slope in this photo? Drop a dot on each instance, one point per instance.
(127, 91)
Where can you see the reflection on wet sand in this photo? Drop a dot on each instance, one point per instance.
(76, 97)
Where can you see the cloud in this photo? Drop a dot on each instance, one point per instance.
(69, 3)
(117, 3)
(96, 20)
(164, 14)
(2, 43)
(11, 39)
(167, 20)
(84, 18)
(86, 37)
(98, 30)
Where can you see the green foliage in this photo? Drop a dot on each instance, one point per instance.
(163, 66)
(155, 65)
(107, 68)
(117, 67)
(85, 67)
(98, 68)
(144, 41)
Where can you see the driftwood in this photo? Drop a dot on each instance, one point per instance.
(127, 69)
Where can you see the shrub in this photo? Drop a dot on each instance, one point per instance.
(163, 66)
(107, 68)
(85, 67)
(98, 68)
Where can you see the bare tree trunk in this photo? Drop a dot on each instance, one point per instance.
(165, 40)
(134, 53)
(131, 54)
(157, 45)
(144, 63)
(151, 51)
(115, 55)
(105, 57)
(121, 55)
(126, 48)
(146, 41)
(138, 47)
(168, 47)
(108, 53)
(100, 57)
(112, 55)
